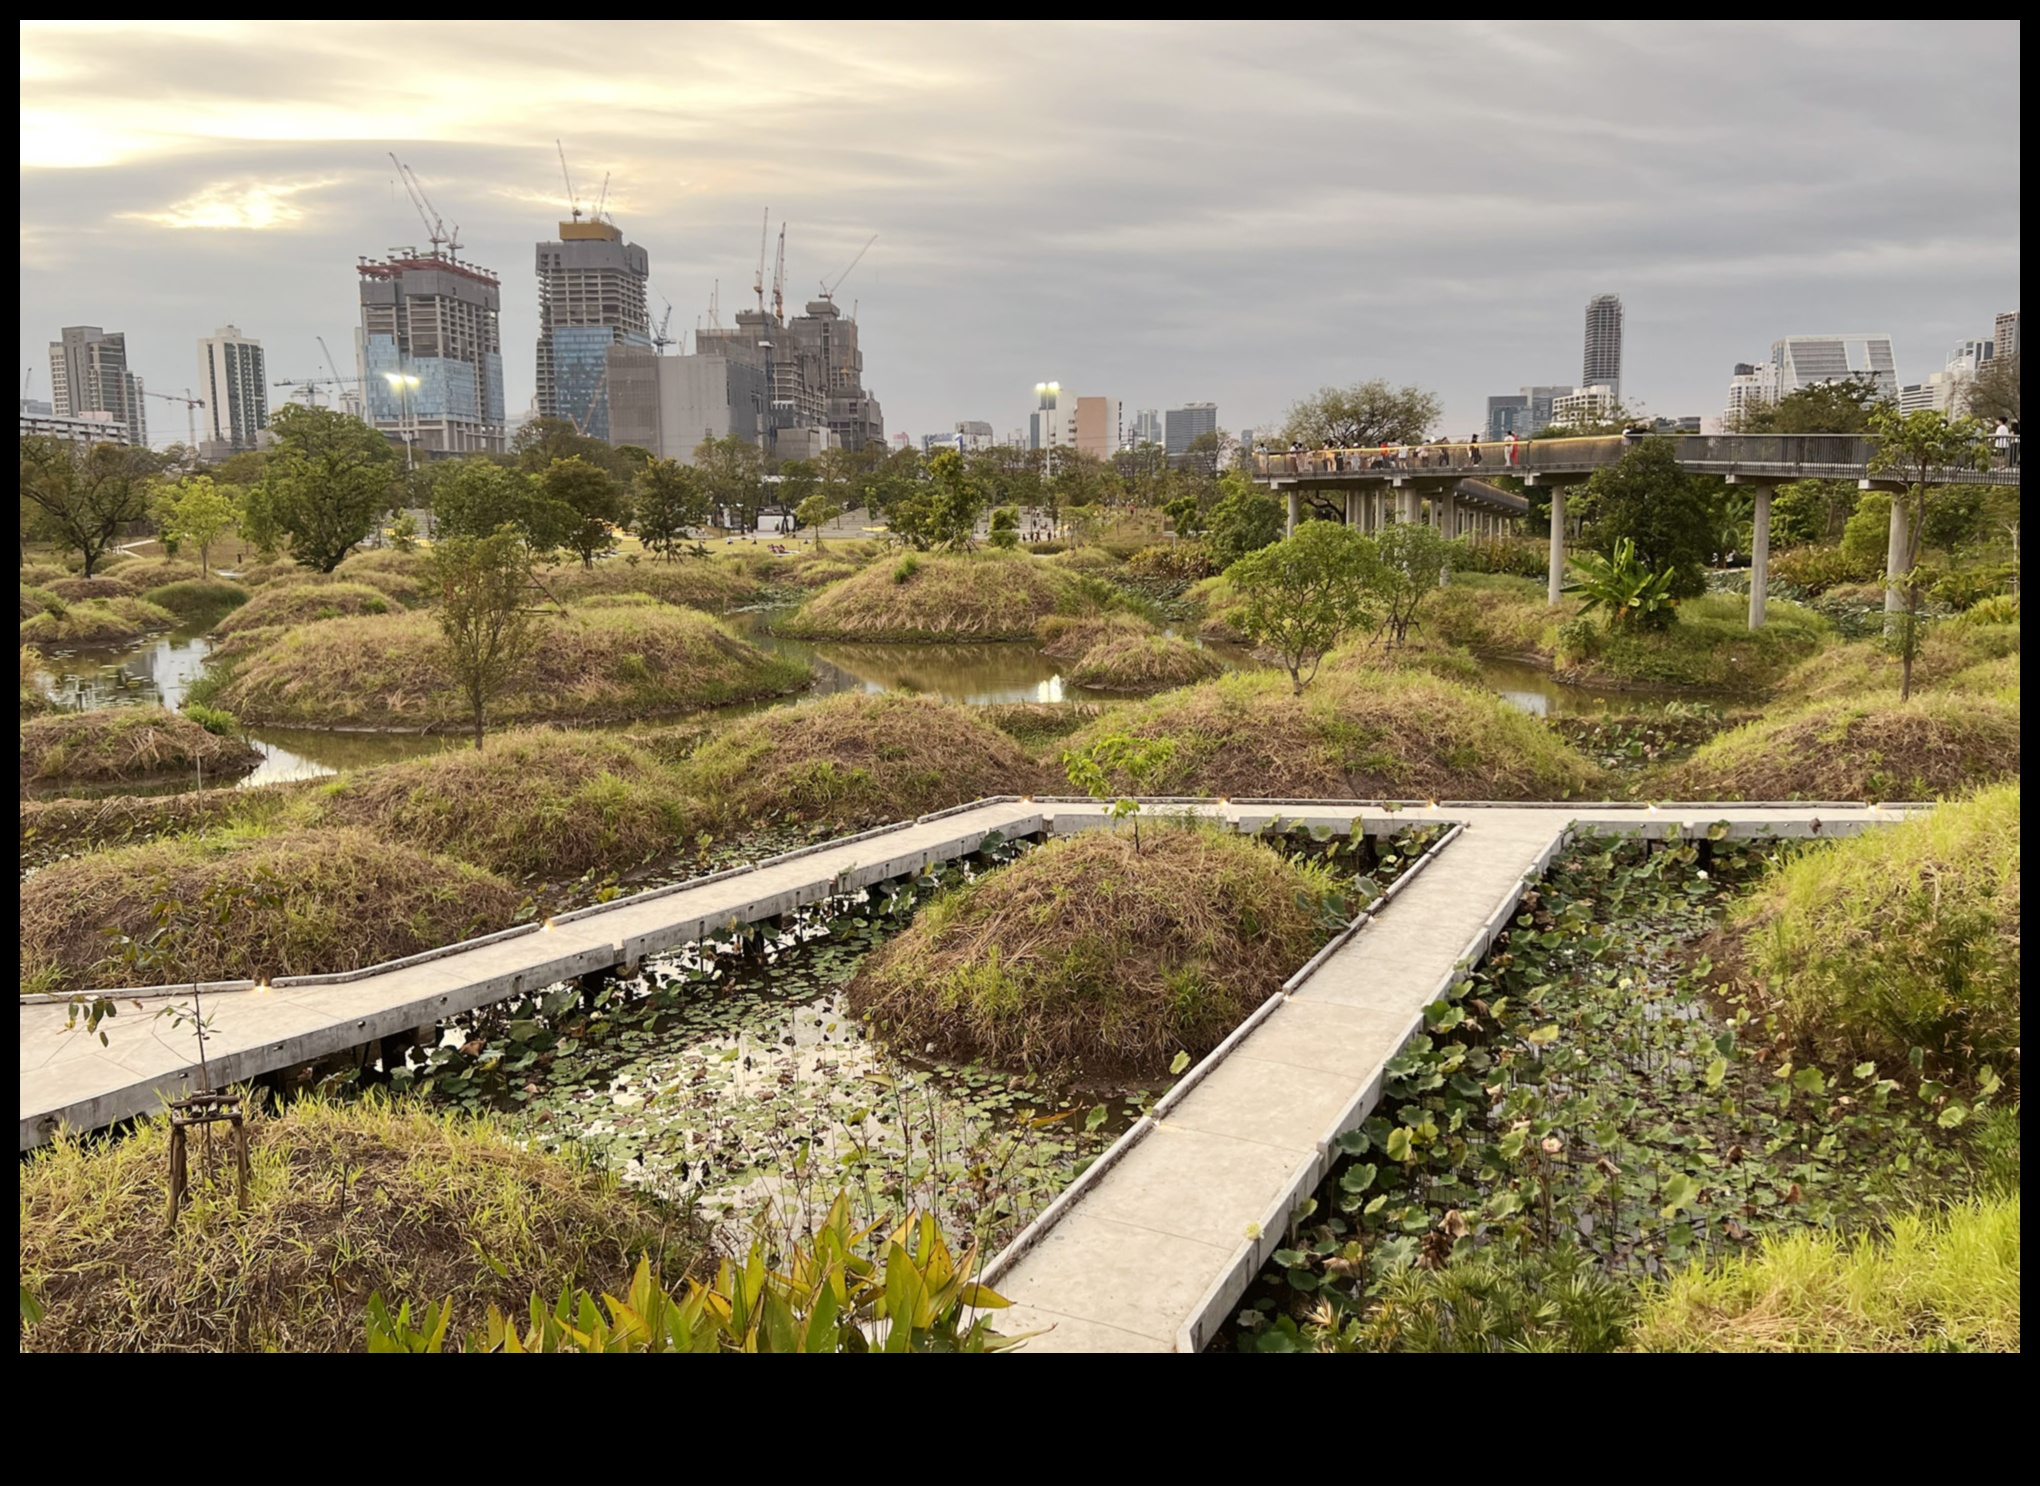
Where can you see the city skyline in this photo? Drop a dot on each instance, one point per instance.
(180, 177)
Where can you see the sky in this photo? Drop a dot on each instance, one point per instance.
(1157, 212)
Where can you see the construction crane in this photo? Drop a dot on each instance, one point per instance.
(601, 395)
(660, 339)
(714, 308)
(191, 407)
(758, 283)
(312, 386)
(602, 200)
(779, 280)
(573, 201)
(435, 225)
(828, 289)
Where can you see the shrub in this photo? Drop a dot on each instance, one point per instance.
(221, 724)
(294, 903)
(1906, 936)
(36, 601)
(1183, 563)
(855, 759)
(1520, 557)
(1815, 570)
(126, 743)
(344, 1200)
(283, 605)
(1082, 955)
(1711, 648)
(2002, 608)
(1869, 749)
(936, 596)
(540, 802)
(1945, 1282)
(1359, 733)
(1965, 588)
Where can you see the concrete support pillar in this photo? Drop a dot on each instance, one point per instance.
(1295, 513)
(1412, 504)
(1556, 579)
(1448, 515)
(1894, 555)
(1353, 509)
(1760, 555)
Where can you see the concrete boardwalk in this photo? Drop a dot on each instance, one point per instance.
(1152, 1248)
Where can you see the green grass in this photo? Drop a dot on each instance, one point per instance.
(1357, 732)
(113, 744)
(283, 605)
(51, 828)
(1493, 614)
(1948, 658)
(345, 1200)
(195, 598)
(691, 583)
(385, 671)
(1709, 648)
(941, 596)
(1876, 748)
(855, 759)
(1904, 937)
(113, 621)
(1933, 1283)
(1083, 956)
(541, 803)
(289, 903)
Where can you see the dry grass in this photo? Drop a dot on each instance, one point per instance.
(114, 621)
(36, 600)
(77, 590)
(276, 570)
(981, 596)
(1904, 937)
(1036, 723)
(1355, 733)
(1933, 1282)
(53, 827)
(1143, 663)
(42, 574)
(1948, 655)
(855, 760)
(1084, 956)
(321, 901)
(126, 743)
(1087, 560)
(403, 576)
(144, 573)
(283, 605)
(345, 1200)
(690, 583)
(1876, 749)
(537, 803)
(385, 671)
(1223, 613)
(1066, 637)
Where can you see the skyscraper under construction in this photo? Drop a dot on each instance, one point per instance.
(591, 296)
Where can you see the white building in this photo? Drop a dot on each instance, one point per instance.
(1753, 386)
(235, 386)
(1583, 405)
(90, 427)
(1807, 360)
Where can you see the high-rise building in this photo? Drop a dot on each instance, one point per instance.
(1507, 415)
(671, 404)
(430, 353)
(1147, 426)
(89, 374)
(1751, 386)
(1602, 365)
(235, 386)
(1807, 360)
(1097, 425)
(1186, 423)
(974, 433)
(1970, 357)
(85, 428)
(2005, 335)
(1050, 425)
(816, 372)
(591, 296)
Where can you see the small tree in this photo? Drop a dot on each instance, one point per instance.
(196, 512)
(325, 484)
(1090, 770)
(671, 498)
(816, 512)
(1005, 528)
(83, 498)
(484, 586)
(1244, 520)
(1302, 596)
(1412, 556)
(733, 473)
(1916, 446)
(593, 497)
(1670, 516)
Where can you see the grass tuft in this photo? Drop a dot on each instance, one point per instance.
(125, 744)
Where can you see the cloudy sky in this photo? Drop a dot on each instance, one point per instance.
(1159, 212)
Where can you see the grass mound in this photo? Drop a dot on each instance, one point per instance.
(1086, 560)
(345, 1200)
(690, 583)
(144, 573)
(1947, 655)
(1710, 648)
(1142, 663)
(1086, 956)
(1493, 614)
(197, 597)
(306, 603)
(1935, 1283)
(51, 828)
(856, 759)
(114, 621)
(1066, 637)
(542, 802)
(41, 574)
(77, 590)
(938, 596)
(336, 900)
(385, 671)
(36, 601)
(1219, 604)
(1900, 938)
(126, 743)
(1876, 749)
(1036, 723)
(276, 570)
(1355, 733)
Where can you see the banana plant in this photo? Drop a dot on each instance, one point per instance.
(1630, 593)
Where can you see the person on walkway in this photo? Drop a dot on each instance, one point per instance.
(2012, 450)
(2001, 444)
(1509, 451)
(1296, 456)
(1473, 449)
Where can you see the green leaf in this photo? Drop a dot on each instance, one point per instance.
(1095, 1118)
(1809, 1081)
(1178, 1063)
(1678, 1192)
(1716, 1071)
(1399, 1143)
(1544, 1036)
(1953, 1115)
(1358, 1179)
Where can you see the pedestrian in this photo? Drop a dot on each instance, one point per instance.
(2012, 449)
(2001, 443)
(1473, 448)
(1296, 456)
(1509, 449)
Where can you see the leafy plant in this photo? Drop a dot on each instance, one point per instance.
(1140, 758)
(1628, 592)
(1304, 595)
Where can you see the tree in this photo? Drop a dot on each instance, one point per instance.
(943, 510)
(1845, 406)
(1811, 511)
(596, 502)
(1994, 391)
(476, 497)
(797, 481)
(1369, 413)
(1412, 555)
(325, 483)
(543, 440)
(1303, 595)
(1669, 515)
(671, 498)
(1005, 528)
(83, 498)
(484, 585)
(1140, 759)
(1246, 519)
(733, 472)
(1916, 447)
(816, 512)
(197, 512)
(1187, 514)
